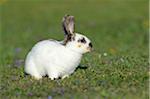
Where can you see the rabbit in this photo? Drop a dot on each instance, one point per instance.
(58, 59)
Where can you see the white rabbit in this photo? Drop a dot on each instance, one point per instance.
(58, 58)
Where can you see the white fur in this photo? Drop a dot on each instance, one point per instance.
(52, 58)
(57, 59)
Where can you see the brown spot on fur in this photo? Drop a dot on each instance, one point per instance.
(82, 40)
(79, 45)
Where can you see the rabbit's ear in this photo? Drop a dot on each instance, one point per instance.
(68, 26)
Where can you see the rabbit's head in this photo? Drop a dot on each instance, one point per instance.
(75, 41)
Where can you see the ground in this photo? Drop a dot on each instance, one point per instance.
(116, 69)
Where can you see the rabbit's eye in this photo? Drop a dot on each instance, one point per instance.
(82, 40)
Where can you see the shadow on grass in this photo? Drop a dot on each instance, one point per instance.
(81, 67)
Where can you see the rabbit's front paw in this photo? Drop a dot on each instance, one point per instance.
(53, 77)
(65, 76)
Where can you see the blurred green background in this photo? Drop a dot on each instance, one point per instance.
(116, 69)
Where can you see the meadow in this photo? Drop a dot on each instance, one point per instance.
(116, 69)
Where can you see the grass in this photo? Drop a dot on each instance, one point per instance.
(116, 69)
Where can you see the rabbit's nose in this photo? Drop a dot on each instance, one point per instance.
(90, 44)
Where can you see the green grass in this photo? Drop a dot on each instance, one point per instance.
(118, 28)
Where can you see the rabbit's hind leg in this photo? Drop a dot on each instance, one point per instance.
(31, 69)
(37, 76)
